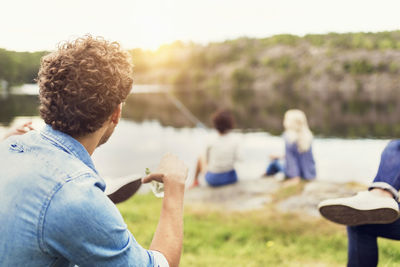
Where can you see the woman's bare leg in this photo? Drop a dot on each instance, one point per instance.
(201, 167)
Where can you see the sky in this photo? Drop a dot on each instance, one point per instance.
(33, 25)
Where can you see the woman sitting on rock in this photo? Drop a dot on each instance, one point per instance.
(299, 160)
(221, 155)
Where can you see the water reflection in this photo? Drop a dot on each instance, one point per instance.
(147, 102)
(17, 105)
(148, 105)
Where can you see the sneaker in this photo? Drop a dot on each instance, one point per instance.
(363, 208)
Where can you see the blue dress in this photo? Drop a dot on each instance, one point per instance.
(297, 164)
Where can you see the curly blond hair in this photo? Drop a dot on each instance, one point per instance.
(82, 83)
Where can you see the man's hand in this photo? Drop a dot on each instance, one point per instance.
(19, 130)
(170, 171)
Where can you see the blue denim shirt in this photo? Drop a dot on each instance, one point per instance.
(53, 210)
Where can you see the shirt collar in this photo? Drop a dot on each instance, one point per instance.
(69, 145)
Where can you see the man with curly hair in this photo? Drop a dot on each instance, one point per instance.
(53, 208)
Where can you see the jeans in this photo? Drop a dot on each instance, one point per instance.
(363, 246)
(219, 179)
(274, 167)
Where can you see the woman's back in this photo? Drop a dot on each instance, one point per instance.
(222, 153)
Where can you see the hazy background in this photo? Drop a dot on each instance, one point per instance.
(40, 25)
(339, 61)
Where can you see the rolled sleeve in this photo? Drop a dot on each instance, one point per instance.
(159, 259)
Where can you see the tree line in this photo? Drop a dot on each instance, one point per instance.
(347, 84)
(19, 67)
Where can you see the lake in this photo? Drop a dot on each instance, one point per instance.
(143, 136)
(135, 146)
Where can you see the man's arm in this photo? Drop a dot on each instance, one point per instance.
(168, 237)
(82, 225)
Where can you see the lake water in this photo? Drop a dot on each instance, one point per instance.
(136, 146)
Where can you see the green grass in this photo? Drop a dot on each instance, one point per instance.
(257, 238)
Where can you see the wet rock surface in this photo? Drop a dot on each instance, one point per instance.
(241, 196)
(255, 194)
(313, 193)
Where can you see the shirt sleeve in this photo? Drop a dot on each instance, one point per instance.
(82, 225)
(159, 259)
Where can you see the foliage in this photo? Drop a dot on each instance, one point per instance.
(19, 67)
(242, 85)
(358, 67)
(347, 84)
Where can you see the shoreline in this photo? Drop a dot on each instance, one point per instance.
(250, 195)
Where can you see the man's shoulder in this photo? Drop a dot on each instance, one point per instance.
(35, 150)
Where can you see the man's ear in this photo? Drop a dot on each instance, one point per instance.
(116, 115)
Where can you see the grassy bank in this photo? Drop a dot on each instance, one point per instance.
(257, 238)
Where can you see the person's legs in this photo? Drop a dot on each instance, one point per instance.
(370, 206)
(274, 167)
(363, 246)
(201, 167)
(388, 176)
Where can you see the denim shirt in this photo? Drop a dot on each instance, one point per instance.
(53, 210)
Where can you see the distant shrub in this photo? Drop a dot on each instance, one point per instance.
(393, 67)
(362, 66)
(242, 85)
(242, 79)
(284, 39)
(386, 44)
(282, 63)
(253, 61)
(315, 39)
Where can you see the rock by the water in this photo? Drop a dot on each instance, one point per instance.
(241, 196)
(255, 194)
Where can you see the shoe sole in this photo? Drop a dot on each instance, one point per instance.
(350, 216)
(125, 191)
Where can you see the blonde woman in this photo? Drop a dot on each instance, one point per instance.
(299, 159)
